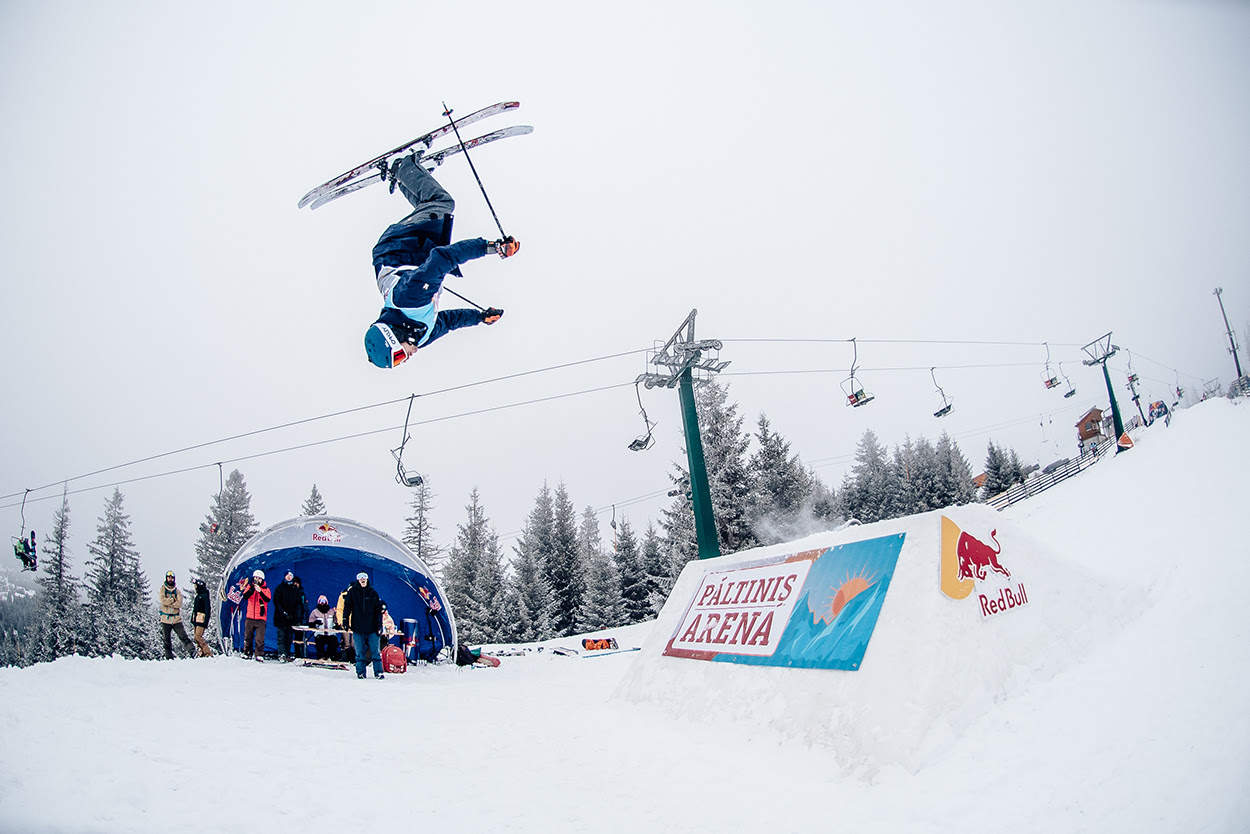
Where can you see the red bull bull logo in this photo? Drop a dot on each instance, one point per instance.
(968, 564)
(327, 532)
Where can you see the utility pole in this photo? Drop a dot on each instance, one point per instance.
(1099, 351)
(679, 358)
(1232, 343)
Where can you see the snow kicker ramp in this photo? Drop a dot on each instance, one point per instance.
(882, 642)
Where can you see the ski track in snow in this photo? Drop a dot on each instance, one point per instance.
(1147, 730)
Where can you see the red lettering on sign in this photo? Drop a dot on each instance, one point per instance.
(723, 634)
(705, 636)
(690, 632)
(743, 632)
(762, 633)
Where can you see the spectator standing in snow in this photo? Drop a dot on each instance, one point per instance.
(288, 598)
(199, 617)
(171, 614)
(341, 610)
(256, 598)
(362, 612)
(322, 618)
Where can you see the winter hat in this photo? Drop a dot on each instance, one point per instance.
(321, 600)
(362, 575)
(258, 574)
(290, 573)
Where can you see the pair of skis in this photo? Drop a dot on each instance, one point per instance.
(382, 167)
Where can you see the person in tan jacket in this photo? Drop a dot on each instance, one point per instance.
(170, 599)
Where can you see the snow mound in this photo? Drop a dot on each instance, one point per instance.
(934, 665)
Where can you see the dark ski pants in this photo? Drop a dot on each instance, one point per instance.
(175, 628)
(284, 640)
(254, 635)
(327, 646)
(422, 191)
(367, 643)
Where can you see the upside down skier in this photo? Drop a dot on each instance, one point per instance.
(410, 261)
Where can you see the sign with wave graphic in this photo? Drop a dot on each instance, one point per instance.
(814, 610)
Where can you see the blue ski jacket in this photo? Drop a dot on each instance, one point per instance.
(411, 302)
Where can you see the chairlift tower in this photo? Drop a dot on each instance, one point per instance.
(1099, 351)
(676, 363)
(1232, 342)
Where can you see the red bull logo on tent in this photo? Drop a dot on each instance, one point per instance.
(969, 564)
(327, 533)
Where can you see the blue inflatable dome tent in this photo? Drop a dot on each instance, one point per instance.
(326, 553)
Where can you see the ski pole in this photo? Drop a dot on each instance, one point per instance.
(456, 130)
(462, 298)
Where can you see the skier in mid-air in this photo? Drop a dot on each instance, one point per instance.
(410, 261)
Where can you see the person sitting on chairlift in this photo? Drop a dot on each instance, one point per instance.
(25, 551)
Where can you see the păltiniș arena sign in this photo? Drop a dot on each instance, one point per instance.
(814, 610)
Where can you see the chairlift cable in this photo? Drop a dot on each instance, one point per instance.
(330, 415)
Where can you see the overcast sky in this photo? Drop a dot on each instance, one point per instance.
(907, 174)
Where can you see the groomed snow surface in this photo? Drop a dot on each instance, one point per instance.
(1117, 699)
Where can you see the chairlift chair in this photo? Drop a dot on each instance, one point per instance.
(946, 404)
(1048, 377)
(23, 548)
(854, 391)
(1071, 392)
(647, 440)
(402, 476)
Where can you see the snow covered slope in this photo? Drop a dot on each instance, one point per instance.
(933, 666)
(1114, 700)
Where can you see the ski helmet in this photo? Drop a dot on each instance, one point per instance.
(382, 346)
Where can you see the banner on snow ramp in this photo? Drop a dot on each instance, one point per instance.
(813, 610)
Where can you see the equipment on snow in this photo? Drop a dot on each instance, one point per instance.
(592, 644)
(324, 664)
(393, 660)
(470, 657)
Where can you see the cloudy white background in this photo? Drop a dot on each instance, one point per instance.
(898, 173)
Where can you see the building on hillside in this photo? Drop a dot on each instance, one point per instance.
(1089, 431)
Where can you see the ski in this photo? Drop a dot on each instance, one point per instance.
(436, 157)
(426, 139)
(613, 651)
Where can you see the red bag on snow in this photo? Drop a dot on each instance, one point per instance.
(393, 660)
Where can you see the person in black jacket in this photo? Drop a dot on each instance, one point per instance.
(362, 613)
(199, 617)
(288, 599)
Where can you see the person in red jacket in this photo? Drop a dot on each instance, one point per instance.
(256, 597)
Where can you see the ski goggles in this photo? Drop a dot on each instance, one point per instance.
(383, 347)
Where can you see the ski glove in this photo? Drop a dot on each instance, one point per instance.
(507, 247)
(491, 315)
